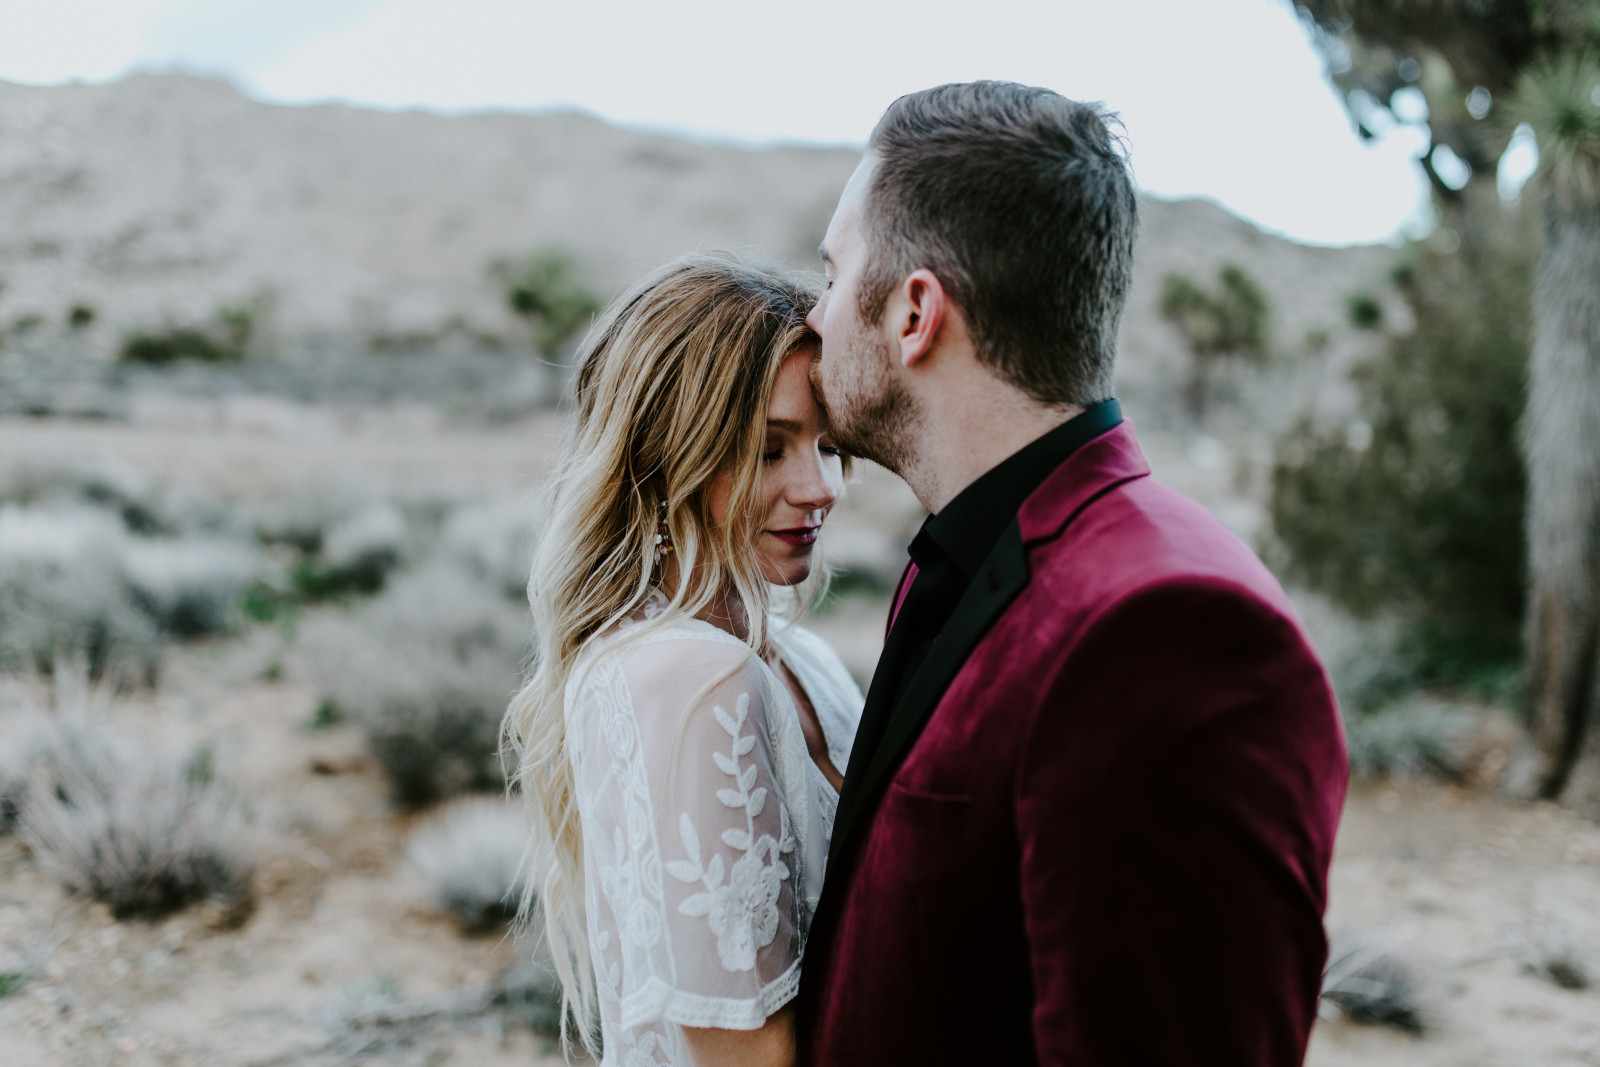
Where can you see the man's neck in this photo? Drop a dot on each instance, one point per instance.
(963, 434)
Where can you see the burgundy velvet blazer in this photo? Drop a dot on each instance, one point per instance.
(1098, 825)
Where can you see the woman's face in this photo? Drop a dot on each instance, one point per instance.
(802, 476)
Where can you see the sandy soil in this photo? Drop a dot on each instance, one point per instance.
(1456, 883)
(1462, 886)
(340, 929)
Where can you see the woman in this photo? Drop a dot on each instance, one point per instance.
(681, 745)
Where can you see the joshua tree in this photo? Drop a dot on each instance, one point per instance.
(1228, 324)
(1484, 67)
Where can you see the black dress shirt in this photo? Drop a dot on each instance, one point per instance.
(952, 545)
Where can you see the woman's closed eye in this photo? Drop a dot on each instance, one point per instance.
(774, 454)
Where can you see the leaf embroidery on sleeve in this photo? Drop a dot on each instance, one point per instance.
(743, 912)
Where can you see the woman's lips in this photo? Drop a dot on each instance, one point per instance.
(799, 537)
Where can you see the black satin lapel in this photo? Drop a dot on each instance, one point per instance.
(877, 706)
(1003, 575)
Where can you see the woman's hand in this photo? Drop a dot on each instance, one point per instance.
(770, 1046)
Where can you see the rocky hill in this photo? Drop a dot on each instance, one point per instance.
(166, 200)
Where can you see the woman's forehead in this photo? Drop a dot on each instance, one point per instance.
(792, 401)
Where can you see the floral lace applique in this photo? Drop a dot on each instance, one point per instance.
(743, 912)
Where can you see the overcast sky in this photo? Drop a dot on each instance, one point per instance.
(1223, 99)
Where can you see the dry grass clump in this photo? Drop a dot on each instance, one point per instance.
(1367, 982)
(121, 491)
(358, 552)
(470, 857)
(1555, 954)
(425, 671)
(135, 826)
(339, 541)
(531, 993)
(22, 736)
(1422, 735)
(190, 586)
(95, 562)
(63, 591)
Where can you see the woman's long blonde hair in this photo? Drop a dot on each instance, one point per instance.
(672, 387)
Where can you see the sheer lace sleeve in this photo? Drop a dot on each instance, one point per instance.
(693, 874)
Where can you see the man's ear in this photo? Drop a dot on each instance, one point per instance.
(920, 312)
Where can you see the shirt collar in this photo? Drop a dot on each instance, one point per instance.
(967, 528)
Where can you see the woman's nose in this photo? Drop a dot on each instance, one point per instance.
(817, 487)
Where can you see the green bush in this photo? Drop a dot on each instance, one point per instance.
(1365, 312)
(1231, 323)
(225, 340)
(550, 292)
(1417, 507)
(181, 344)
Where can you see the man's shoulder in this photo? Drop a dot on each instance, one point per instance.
(1142, 536)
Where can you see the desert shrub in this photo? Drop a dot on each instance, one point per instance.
(63, 590)
(129, 824)
(425, 671)
(225, 339)
(20, 735)
(301, 518)
(1364, 310)
(180, 344)
(1230, 322)
(494, 541)
(190, 586)
(1554, 954)
(470, 858)
(550, 292)
(356, 554)
(342, 541)
(1418, 508)
(531, 993)
(1367, 982)
(1414, 736)
(80, 316)
(122, 491)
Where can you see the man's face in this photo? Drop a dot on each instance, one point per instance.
(855, 375)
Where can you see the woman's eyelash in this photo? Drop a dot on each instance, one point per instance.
(831, 450)
(773, 456)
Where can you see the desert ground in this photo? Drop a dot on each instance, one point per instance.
(1450, 896)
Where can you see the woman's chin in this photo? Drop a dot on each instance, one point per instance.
(789, 571)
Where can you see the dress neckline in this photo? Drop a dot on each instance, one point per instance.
(656, 603)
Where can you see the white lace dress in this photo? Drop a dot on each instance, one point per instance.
(705, 824)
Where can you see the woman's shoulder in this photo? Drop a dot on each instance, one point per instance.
(674, 656)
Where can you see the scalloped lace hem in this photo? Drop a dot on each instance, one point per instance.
(659, 1001)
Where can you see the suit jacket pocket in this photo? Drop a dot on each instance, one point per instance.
(925, 814)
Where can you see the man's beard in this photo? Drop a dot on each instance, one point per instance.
(870, 413)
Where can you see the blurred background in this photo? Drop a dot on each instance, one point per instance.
(288, 297)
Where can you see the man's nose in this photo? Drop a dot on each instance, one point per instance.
(814, 317)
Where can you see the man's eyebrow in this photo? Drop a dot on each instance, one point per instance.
(822, 251)
(785, 424)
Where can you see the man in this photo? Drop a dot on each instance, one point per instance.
(1089, 814)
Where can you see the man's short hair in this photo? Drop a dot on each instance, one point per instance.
(1021, 202)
